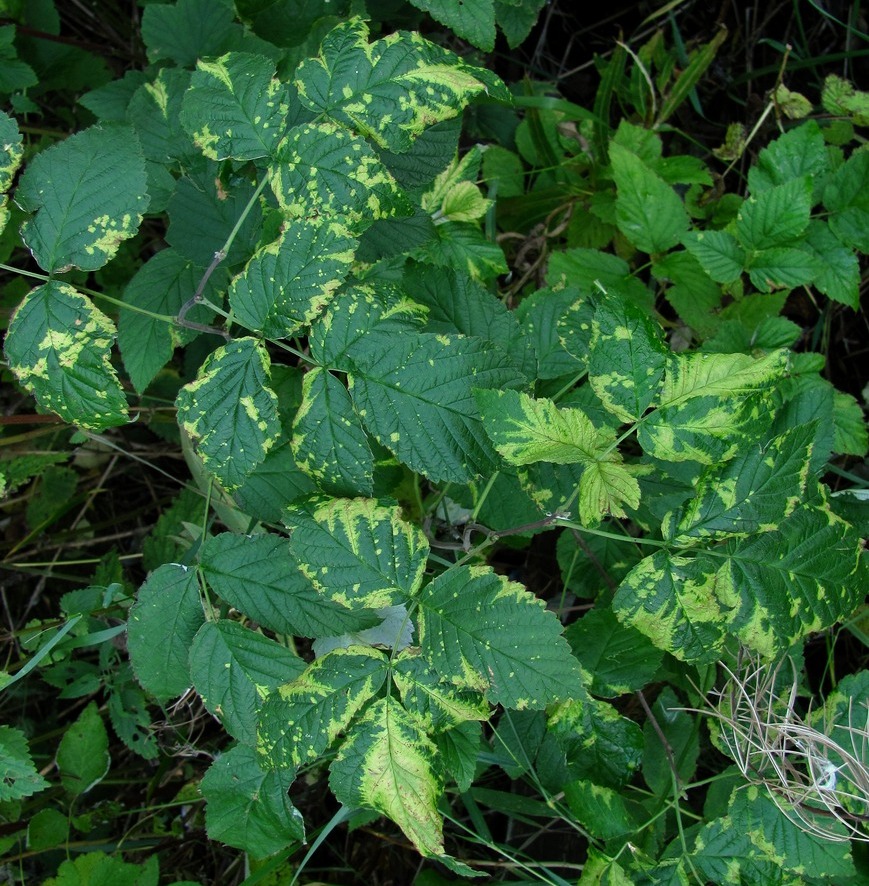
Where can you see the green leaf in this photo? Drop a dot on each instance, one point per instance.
(249, 808)
(718, 252)
(619, 658)
(752, 493)
(328, 442)
(161, 286)
(675, 742)
(586, 271)
(154, 112)
(20, 777)
(234, 668)
(648, 211)
(435, 702)
(691, 293)
(163, 622)
(230, 412)
(525, 430)
(851, 433)
(838, 270)
(99, 869)
(391, 90)
(473, 20)
(83, 753)
(274, 485)
(672, 600)
(259, 576)
(288, 282)
(776, 216)
(459, 748)
(488, 634)
(627, 359)
(795, 153)
(414, 393)
(847, 197)
(187, 30)
(358, 553)
(234, 107)
(557, 323)
(391, 765)
(604, 487)
(782, 267)
(59, 347)
(89, 195)
(303, 718)
(517, 20)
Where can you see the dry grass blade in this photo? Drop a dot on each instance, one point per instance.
(814, 768)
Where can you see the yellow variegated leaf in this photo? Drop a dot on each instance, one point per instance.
(603, 488)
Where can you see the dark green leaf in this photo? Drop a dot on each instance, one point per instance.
(249, 808)
(776, 216)
(186, 30)
(20, 777)
(234, 668)
(83, 753)
(163, 622)
(473, 20)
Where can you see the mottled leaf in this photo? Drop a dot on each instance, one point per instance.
(59, 346)
(359, 553)
(390, 90)
(230, 411)
(303, 718)
(235, 107)
(288, 282)
(89, 195)
(10, 159)
(259, 576)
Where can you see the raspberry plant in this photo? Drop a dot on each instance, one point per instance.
(366, 419)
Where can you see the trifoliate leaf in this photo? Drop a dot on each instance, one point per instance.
(163, 622)
(391, 90)
(490, 635)
(288, 282)
(247, 807)
(59, 346)
(259, 576)
(230, 411)
(89, 195)
(234, 668)
(235, 107)
(359, 553)
(303, 718)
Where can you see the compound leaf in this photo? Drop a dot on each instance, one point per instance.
(235, 107)
(288, 282)
(234, 668)
(230, 412)
(485, 633)
(303, 718)
(359, 553)
(59, 347)
(414, 393)
(163, 622)
(89, 194)
(247, 807)
(259, 576)
(391, 90)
